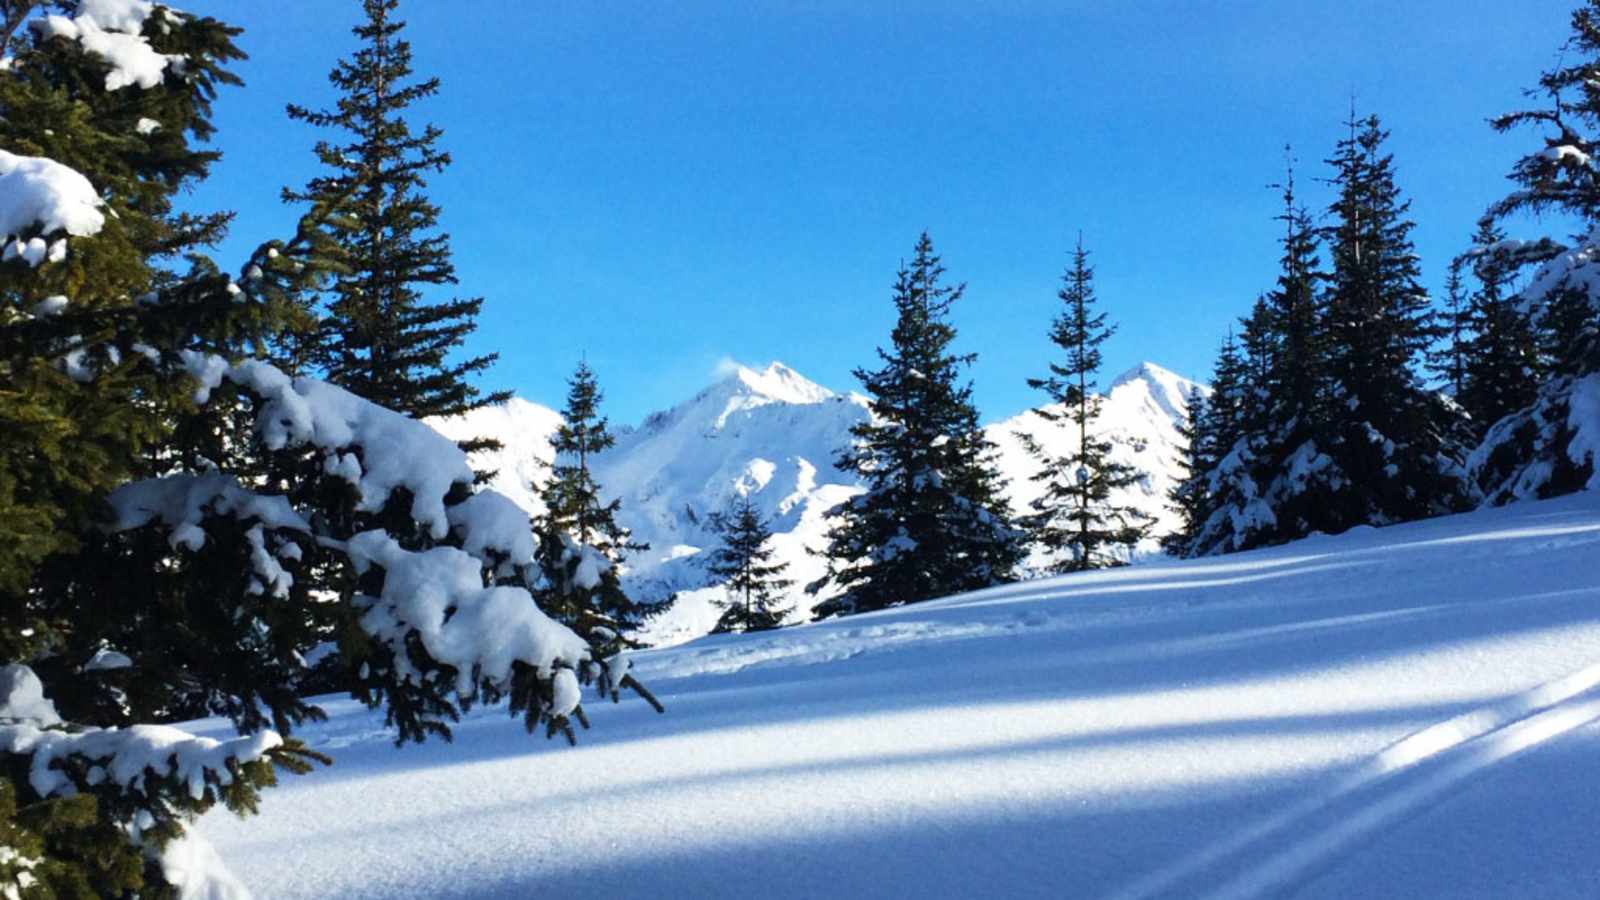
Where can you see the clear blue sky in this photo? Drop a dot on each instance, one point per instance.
(667, 185)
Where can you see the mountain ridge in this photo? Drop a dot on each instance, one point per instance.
(773, 435)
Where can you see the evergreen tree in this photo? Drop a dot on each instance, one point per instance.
(1548, 447)
(581, 544)
(932, 521)
(382, 338)
(1075, 520)
(1190, 495)
(140, 574)
(1272, 480)
(1500, 373)
(744, 565)
(93, 328)
(1449, 362)
(1397, 445)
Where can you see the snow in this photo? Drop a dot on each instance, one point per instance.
(22, 697)
(106, 659)
(127, 756)
(439, 595)
(406, 453)
(111, 30)
(181, 501)
(35, 191)
(1583, 419)
(191, 865)
(53, 305)
(494, 529)
(772, 435)
(1405, 711)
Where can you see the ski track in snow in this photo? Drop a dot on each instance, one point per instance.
(1333, 718)
(1275, 854)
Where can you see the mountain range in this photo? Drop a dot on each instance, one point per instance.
(773, 434)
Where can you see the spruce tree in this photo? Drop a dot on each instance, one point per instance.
(581, 543)
(1075, 519)
(1223, 452)
(932, 521)
(1449, 361)
(1272, 478)
(1548, 447)
(382, 337)
(1190, 494)
(139, 573)
(1500, 372)
(1399, 446)
(743, 563)
(94, 326)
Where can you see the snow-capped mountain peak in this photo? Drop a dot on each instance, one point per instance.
(1154, 389)
(779, 383)
(772, 434)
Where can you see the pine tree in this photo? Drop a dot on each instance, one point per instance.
(581, 544)
(744, 565)
(1075, 520)
(932, 520)
(382, 338)
(1547, 447)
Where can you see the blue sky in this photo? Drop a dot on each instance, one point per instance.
(667, 186)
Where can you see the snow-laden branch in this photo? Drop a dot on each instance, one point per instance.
(41, 193)
(113, 31)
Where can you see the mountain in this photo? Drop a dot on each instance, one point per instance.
(773, 434)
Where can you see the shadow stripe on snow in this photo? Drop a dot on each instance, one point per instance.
(1270, 855)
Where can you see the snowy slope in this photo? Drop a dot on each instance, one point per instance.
(773, 434)
(1387, 713)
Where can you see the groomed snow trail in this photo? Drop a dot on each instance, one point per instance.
(1400, 712)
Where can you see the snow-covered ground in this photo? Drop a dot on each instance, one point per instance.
(1403, 712)
(772, 434)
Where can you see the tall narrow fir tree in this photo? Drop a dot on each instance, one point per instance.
(382, 337)
(1075, 520)
(581, 544)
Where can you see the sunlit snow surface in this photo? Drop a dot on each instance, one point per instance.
(1396, 713)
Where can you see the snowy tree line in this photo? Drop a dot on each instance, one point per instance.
(1350, 398)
